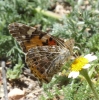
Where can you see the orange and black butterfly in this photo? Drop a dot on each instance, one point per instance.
(45, 54)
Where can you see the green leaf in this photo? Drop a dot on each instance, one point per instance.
(17, 70)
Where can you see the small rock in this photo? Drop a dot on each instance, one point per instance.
(16, 94)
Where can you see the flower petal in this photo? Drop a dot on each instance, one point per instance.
(86, 66)
(73, 74)
(90, 57)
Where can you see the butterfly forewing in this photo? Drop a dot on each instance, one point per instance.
(29, 37)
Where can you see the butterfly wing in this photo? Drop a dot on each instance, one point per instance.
(45, 61)
(29, 37)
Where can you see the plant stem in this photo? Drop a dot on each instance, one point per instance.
(85, 74)
(48, 14)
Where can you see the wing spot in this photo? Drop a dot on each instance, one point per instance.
(30, 31)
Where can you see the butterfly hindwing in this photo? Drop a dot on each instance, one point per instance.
(45, 61)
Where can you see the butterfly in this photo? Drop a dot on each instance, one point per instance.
(45, 54)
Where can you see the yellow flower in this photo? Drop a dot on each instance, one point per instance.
(81, 63)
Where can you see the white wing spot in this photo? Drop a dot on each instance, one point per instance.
(23, 36)
(29, 32)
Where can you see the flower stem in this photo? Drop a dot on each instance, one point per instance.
(85, 74)
(48, 13)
